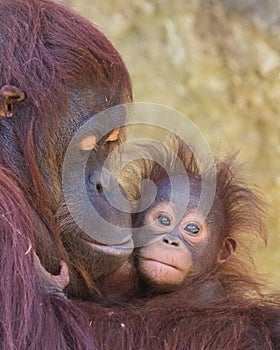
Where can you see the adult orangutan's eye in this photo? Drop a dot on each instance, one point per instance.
(164, 220)
(192, 229)
(88, 143)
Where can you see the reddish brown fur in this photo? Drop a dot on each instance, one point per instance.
(49, 53)
(29, 319)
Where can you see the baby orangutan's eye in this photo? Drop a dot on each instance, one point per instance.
(192, 229)
(164, 220)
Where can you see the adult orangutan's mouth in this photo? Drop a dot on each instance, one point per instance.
(125, 248)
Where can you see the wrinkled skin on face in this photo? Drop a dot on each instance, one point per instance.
(99, 259)
(82, 143)
(179, 245)
(95, 251)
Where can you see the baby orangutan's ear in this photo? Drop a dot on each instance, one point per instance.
(227, 249)
(9, 97)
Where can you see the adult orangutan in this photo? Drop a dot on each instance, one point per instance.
(196, 288)
(56, 72)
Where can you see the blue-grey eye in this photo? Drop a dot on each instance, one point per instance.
(164, 220)
(192, 229)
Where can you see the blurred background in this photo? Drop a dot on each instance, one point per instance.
(218, 62)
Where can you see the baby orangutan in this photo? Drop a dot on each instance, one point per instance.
(193, 225)
(180, 245)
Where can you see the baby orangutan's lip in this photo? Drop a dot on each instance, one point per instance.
(160, 262)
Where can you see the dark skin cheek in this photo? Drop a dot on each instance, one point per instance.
(204, 258)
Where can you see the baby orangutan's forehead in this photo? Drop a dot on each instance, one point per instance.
(183, 193)
(179, 189)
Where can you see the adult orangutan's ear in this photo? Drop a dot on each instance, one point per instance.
(227, 249)
(9, 97)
